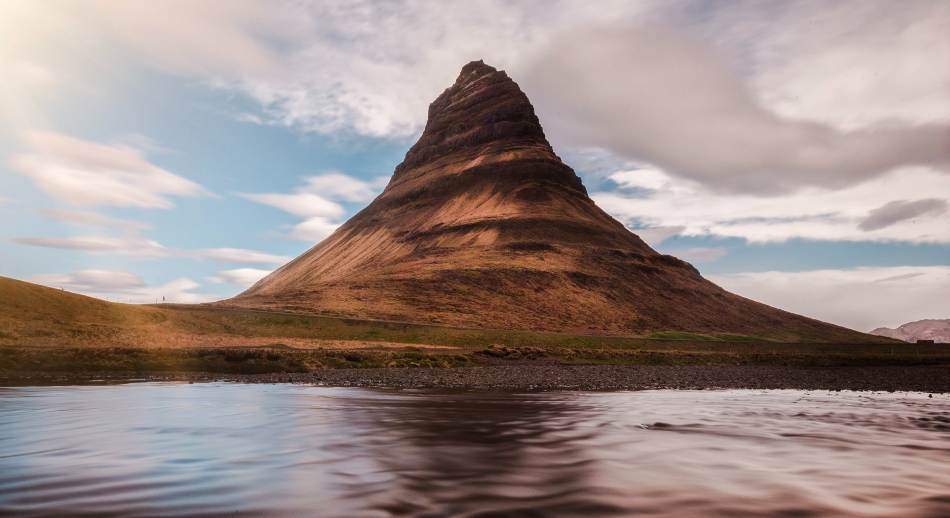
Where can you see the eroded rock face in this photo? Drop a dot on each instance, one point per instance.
(482, 225)
(483, 115)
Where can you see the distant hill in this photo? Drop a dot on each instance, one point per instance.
(482, 225)
(38, 315)
(930, 329)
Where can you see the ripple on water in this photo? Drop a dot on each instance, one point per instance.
(147, 449)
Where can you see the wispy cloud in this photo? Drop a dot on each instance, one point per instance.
(83, 172)
(237, 255)
(658, 234)
(138, 246)
(93, 219)
(699, 254)
(122, 286)
(858, 298)
(896, 211)
(240, 277)
(314, 229)
(131, 242)
(300, 203)
(128, 245)
(318, 202)
(93, 280)
(338, 186)
(650, 198)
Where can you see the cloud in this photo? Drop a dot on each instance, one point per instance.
(131, 242)
(93, 219)
(313, 229)
(93, 280)
(300, 203)
(860, 298)
(241, 277)
(656, 235)
(644, 178)
(351, 66)
(900, 277)
(230, 39)
(699, 254)
(875, 62)
(124, 286)
(316, 201)
(237, 255)
(658, 97)
(130, 245)
(901, 210)
(87, 173)
(649, 197)
(138, 246)
(757, 97)
(338, 186)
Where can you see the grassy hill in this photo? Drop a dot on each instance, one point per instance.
(36, 315)
(33, 314)
(49, 330)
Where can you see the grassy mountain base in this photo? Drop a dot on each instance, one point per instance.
(48, 330)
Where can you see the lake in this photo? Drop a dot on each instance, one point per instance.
(205, 449)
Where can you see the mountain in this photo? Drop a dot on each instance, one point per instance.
(931, 329)
(482, 225)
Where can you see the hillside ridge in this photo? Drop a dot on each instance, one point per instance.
(934, 329)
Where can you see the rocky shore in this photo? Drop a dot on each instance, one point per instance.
(517, 377)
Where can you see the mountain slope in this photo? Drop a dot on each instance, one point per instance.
(483, 225)
(930, 329)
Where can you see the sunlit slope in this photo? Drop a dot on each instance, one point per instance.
(41, 315)
(34, 315)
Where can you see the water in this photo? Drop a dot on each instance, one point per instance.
(147, 449)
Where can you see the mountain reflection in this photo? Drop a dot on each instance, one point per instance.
(497, 453)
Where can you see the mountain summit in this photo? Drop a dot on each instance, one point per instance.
(482, 225)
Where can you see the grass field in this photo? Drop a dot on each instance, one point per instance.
(43, 329)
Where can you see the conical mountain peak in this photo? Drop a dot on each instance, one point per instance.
(482, 225)
(473, 70)
(483, 116)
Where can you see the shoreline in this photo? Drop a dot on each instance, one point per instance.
(532, 377)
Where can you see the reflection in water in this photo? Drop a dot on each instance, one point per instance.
(166, 449)
(457, 453)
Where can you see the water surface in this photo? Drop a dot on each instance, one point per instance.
(164, 448)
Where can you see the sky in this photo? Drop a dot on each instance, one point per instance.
(796, 152)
